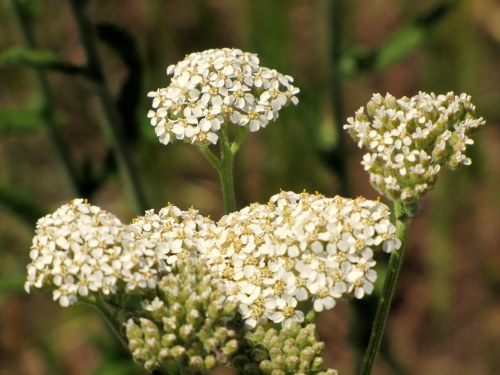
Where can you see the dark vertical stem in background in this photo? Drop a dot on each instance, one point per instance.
(113, 127)
(403, 213)
(337, 157)
(47, 111)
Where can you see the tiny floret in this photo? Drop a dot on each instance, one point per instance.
(299, 247)
(77, 251)
(411, 139)
(216, 87)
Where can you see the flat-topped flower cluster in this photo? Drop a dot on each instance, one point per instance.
(81, 250)
(299, 247)
(270, 257)
(410, 139)
(216, 87)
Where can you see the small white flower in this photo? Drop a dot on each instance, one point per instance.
(407, 137)
(298, 247)
(214, 87)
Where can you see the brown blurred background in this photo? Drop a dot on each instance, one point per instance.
(446, 316)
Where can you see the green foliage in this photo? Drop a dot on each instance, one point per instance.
(20, 120)
(397, 46)
(37, 58)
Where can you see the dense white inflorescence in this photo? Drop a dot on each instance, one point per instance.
(299, 247)
(81, 249)
(215, 87)
(172, 234)
(411, 139)
(271, 257)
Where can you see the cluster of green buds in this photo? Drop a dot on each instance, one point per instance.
(292, 350)
(184, 328)
(410, 139)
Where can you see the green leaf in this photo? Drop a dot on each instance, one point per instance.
(20, 120)
(399, 45)
(38, 58)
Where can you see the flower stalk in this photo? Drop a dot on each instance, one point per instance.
(403, 214)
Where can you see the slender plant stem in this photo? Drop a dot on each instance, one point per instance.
(47, 109)
(226, 173)
(338, 155)
(110, 319)
(113, 126)
(224, 165)
(402, 215)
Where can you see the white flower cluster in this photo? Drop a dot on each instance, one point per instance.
(214, 87)
(81, 249)
(299, 247)
(271, 257)
(171, 235)
(77, 250)
(411, 139)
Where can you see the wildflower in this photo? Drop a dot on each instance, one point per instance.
(185, 326)
(411, 139)
(215, 87)
(170, 236)
(298, 247)
(78, 250)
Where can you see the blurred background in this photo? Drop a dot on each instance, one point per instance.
(73, 73)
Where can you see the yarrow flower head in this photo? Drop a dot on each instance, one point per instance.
(184, 328)
(217, 87)
(81, 250)
(299, 247)
(410, 139)
(78, 250)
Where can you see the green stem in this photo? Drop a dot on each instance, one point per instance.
(402, 215)
(338, 154)
(113, 127)
(47, 107)
(226, 172)
(224, 165)
(110, 318)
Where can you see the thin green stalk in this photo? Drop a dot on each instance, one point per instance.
(338, 154)
(403, 214)
(226, 173)
(224, 165)
(47, 109)
(113, 127)
(110, 318)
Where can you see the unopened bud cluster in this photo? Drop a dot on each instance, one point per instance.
(410, 139)
(215, 87)
(183, 329)
(291, 350)
(299, 247)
